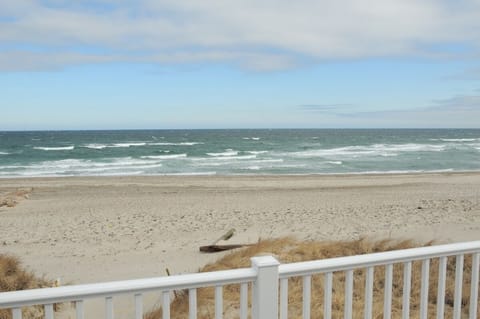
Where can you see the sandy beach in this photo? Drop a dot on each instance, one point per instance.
(91, 229)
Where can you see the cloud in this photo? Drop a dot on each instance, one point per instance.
(461, 111)
(259, 35)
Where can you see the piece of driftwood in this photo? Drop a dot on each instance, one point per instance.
(217, 248)
(229, 234)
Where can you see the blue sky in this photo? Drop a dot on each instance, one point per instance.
(104, 64)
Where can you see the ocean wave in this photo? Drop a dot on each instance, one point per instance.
(370, 150)
(59, 148)
(190, 174)
(251, 138)
(72, 167)
(455, 139)
(224, 158)
(228, 152)
(335, 162)
(4, 153)
(256, 152)
(96, 146)
(176, 144)
(171, 156)
(129, 144)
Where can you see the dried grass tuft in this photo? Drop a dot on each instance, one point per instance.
(289, 250)
(14, 277)
(11, 199)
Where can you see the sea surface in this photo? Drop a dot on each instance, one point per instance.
(233, 152)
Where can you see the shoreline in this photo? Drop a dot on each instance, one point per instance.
(249, 175)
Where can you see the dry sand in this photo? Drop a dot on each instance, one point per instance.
(91, 229)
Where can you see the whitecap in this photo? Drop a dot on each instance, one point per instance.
(176, 144)
(60, 148)
(458, 139)
(4, 153)
(96, 146)
(129, 144)
(228, 152)
(165, 156)
(257, 152)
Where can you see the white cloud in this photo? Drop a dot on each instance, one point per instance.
(264, 34)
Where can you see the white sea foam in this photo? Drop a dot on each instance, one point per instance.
(369, 150)
(254, 168)
(228, 152)
(257, 152)
(176, 144)
(457, 139)
(227, 158)
(60, 148)
(252, 138)
(96, 146)
(4, 153)
(129, 144)
(191, 174)
(171, 156)
(335, 162)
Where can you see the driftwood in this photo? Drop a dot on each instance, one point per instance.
(214, 248)
(217, 248)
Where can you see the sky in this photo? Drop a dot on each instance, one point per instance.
(170, 64)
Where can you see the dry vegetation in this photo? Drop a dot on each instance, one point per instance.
(288, 250)
(11, 199)
(14, 277)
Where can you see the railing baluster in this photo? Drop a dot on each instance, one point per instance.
(218, 302)
(327, 295)
(79, 309)
(407, 285)
(166, 305)
(348, 294)
(457, 301)
(17, 313)
(138, 306)
(109, 308)
(192, 303)
(442, 277)
(283, 298)
(368, 293)
(244, 301)
(474, 286)
(424, 289)
(307, 287)
(48, 311)
(387, 294)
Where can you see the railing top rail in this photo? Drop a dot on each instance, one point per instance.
(376, 259)
(79, 292)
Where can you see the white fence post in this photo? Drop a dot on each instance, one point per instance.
(265, 288)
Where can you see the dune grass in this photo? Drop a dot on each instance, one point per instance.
(289, 250)
(14, 277)
(11, 199)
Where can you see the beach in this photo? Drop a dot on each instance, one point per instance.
(90, 229)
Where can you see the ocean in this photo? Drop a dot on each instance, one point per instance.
(237, 152)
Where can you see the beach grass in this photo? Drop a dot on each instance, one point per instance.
(13, 276)
(289, 250)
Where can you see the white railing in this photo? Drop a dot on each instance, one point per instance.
(267, 277)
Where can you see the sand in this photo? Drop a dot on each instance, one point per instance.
(93, 229)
